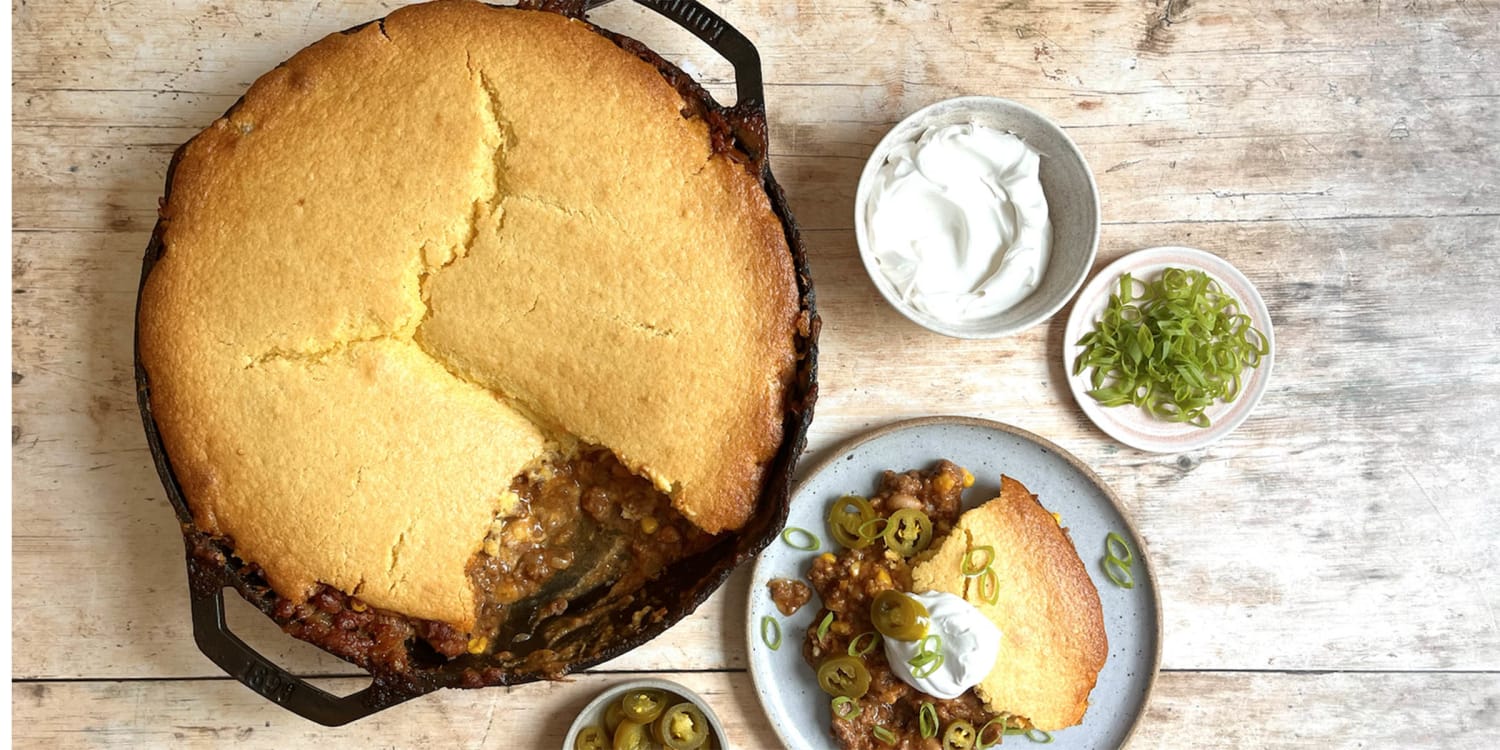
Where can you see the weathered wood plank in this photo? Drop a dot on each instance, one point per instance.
(1239, 114)
(103, 175)
(1365, 476)
(1189, 710)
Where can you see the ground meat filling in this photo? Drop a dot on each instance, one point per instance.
(789, 595)
(591, 512)
(587, 518)
(848, 581)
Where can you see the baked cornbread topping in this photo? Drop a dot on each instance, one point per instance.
(1008, 558)
(423, 264)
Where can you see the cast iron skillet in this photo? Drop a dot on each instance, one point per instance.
(740, 131)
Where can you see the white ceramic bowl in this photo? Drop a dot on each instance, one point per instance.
(1072, 202)
(593, 713)
(1130, 425)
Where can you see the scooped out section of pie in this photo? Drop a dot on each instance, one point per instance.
(449, 299)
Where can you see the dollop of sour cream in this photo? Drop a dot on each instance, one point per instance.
(970, 644)
(958, 223)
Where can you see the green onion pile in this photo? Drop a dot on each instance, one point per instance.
(1173, 349)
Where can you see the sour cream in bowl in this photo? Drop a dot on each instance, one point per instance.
(977, 217)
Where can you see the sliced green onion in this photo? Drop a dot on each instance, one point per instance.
(989, 587)
(857, 650)
(927, 720)
(770, 632)
(884, 735)
(1004, 723)
(971, 564)
(1118, 572)
(1173, 349)
(823, 626)
(1113, 541)
(845, 708)
(874, 528)
(1037, 735)
(925, 664)
(935, 641)
(809, 540)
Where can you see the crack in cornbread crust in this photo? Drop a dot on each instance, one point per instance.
(278, 327)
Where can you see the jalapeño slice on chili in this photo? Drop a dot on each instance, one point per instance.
(898, 616)
(958, 736)
(845, 517)
(909, 532)
(844, 675)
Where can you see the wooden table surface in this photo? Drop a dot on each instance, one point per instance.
(1329, 573)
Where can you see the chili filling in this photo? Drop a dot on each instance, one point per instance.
(848, 580)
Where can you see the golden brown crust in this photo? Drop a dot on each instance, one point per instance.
(680, 369)
(322, 331)
(1053, 642)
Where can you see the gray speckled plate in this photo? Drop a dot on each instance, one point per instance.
(787, 687)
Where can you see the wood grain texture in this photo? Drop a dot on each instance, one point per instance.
(1224, 711)
(1342, 547)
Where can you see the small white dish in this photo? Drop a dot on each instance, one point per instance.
(1072, 203)
(1129, 424)
(593, 713)
(788, 687)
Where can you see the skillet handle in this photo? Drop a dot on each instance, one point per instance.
(269, 680)
(724, 39)
(748, 115)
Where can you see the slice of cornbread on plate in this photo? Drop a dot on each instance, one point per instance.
(1053, 642)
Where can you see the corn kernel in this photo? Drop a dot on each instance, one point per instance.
(943, 483)
(827, 557)
(968, 478)
(357, 605)
(883, 579)
(478, 644)
(649, 524)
